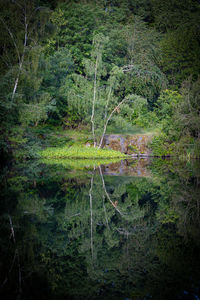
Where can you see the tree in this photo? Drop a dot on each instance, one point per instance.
(179, 21)
(24, 27)
(96, 58)
(92, 96)
(142, 73)
(188, 113)
(26, 12)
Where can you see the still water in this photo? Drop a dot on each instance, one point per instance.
(82, 230)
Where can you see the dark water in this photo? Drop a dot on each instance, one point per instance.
(124, 231)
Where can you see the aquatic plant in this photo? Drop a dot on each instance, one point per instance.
(80, 152)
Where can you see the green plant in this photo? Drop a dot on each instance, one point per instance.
(161, 146)
(133, 149)
(80, 152)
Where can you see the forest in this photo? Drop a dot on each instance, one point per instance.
(78, 218)
(99, 66)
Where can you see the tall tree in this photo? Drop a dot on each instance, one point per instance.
(179, 21)
(143, 75)
(22, 35)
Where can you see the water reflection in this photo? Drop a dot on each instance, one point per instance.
(86, 234)
(134, 167)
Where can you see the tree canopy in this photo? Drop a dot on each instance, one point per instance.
(48, 56)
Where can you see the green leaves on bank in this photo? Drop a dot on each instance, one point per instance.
(80, 152)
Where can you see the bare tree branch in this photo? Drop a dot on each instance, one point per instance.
(12, 37)
(108, 119)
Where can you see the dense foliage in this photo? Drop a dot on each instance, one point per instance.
(71, 71)
(97, 64)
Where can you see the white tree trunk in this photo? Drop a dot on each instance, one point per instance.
(93, 102)
(21, 58)
(108, 119)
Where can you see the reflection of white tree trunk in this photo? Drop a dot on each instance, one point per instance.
(91, 214)
(105, 212)
(11, 267)
(107, 195)
(16, 255)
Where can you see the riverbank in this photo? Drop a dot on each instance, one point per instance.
(54, 142)
(77, 152)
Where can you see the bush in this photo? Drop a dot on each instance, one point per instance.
(161, 147)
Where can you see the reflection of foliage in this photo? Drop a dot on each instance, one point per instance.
(143, 237)
(79, 164)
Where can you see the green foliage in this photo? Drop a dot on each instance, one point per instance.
(81, 235)
(143, 75)
(166, 106)
(77, 23)
(21, 98)
(80, 152)
(180, 44)
(79, 99)
(179, 122)
(138, 114)
(144, 50)
(188, 112)
(180, 56)
(90, 95)
(170, 15)
(34, 113)
(161, 146)
(167, 103)
(56, 74)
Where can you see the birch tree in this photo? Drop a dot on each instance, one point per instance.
(93, 95)
(96, 64)
(103, 94)
(23, 35)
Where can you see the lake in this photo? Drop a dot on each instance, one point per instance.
(83, 230)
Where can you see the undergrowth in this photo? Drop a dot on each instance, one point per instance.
(80, 152)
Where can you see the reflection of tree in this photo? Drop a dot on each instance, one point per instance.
(107, 195)
(16, 258)
(180, 193)
(91, 229)
(137, 249)
(187, 206)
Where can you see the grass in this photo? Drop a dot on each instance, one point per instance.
(80, 152)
